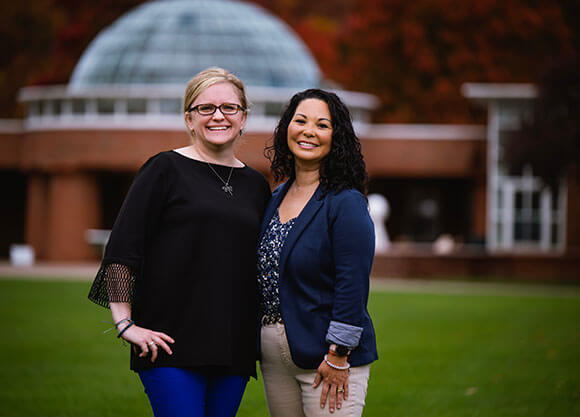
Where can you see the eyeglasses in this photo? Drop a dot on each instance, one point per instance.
(209, 109)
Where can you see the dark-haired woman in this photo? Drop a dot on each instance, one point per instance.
(314, 259)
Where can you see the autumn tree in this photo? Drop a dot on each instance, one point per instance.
(414, 55)
(42, 40)
(549, 139)
(26, 31)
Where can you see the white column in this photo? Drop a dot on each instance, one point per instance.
(493, 215)
(545, 219)
(507, 214)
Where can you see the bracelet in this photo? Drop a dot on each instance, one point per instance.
(122, 321)
(125, 328)
(333, 353)
(115, 325)
(340, 368)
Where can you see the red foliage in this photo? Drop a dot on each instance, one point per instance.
(414, 55)
(549, 139)
(435, 46)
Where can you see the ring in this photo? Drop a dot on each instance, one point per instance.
(340, 390)
(151, 343)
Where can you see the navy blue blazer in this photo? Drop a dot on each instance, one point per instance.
(325, 266)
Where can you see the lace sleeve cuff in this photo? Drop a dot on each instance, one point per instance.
(114, 283)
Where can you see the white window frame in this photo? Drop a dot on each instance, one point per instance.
(501, 215)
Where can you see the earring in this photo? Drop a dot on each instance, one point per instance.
(241, 132)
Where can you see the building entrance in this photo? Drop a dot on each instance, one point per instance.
(421, 210)
(12, 210)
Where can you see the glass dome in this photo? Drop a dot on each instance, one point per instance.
(169, 41)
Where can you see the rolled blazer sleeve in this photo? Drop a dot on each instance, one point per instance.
(353, 243)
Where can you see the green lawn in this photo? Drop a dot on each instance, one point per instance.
(440, 355)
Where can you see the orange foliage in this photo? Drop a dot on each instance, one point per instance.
(414, 55)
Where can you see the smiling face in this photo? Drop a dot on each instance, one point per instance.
(216, 131)
(310, 132)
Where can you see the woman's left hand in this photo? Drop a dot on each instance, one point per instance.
(334, 385)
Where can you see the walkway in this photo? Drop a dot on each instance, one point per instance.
(87, 271)
(42, 270)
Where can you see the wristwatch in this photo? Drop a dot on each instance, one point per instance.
(339, 350)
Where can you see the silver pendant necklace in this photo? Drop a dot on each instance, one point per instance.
(228, 189)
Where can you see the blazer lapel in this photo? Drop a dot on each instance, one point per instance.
(273, 206)
(303, 219)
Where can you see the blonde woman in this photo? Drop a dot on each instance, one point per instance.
(179, 269)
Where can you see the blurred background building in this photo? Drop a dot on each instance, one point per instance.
(434, 105)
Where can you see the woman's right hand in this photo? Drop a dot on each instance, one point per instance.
(334, 384)
(147, 340)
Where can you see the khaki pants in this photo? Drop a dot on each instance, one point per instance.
(288, 389)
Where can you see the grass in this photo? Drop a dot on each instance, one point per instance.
(440, 355)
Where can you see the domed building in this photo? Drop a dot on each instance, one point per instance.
(166, 42)
(67, 166)
(84, 141)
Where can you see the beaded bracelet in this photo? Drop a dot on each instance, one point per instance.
(340, 368)
(125, 328)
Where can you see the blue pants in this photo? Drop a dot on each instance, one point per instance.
(177, 392)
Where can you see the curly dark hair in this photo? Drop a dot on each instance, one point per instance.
(343, 167)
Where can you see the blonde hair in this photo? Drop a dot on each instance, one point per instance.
(209, 77)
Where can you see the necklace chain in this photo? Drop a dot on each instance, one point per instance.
(228, 189)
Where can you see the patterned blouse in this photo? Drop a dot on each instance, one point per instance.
(269, 252)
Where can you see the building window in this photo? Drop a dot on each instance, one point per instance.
(524, 214)
(273, 109)
(33, 109)
(56, 107)
(170, 106)
(422, 210)
(136, 106)
(105, 106)
(78, 106)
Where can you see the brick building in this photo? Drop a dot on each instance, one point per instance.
(66, 167)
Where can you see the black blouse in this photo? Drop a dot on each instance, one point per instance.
(183, 253)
